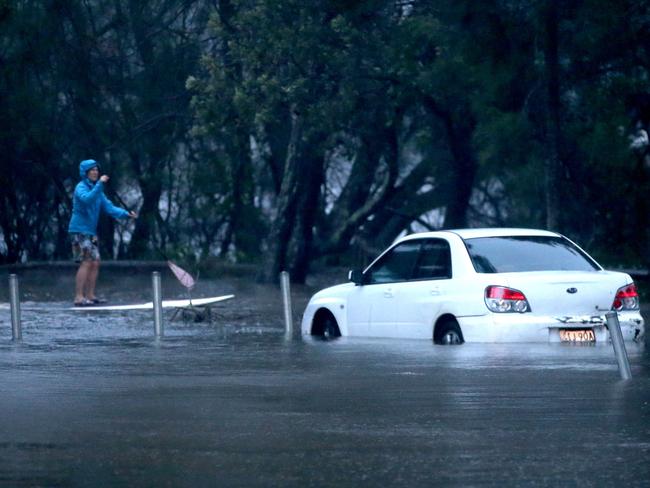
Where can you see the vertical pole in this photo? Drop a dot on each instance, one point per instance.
(16, 328)
(286, 300)
(616, 335)
(157, 304)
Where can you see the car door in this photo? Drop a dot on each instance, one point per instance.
(379, 296)
(421, 297)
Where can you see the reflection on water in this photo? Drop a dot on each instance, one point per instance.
(96, 400)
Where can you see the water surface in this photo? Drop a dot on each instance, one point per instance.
(96, 400)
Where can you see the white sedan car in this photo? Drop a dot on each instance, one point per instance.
(479, 285)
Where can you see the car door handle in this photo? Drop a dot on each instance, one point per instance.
(388, 293)
(435, 291)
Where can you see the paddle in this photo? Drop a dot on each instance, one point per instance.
(181, 275)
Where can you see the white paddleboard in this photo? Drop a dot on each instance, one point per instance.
(195, 302)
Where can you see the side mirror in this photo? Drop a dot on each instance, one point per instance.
(355, 276)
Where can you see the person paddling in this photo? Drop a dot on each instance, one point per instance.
(88, 202)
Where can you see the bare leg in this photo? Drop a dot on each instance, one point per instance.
(91, 280)
(81, 280)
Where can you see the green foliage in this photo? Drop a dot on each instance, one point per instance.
(402, 105)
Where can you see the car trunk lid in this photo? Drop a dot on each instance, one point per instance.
(568, 293)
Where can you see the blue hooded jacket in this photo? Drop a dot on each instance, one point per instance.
(89, 200)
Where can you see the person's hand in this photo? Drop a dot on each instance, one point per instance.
(133, 215)
(104, 178)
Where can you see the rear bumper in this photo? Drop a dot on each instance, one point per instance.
(531, 328)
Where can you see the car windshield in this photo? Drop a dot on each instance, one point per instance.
(511, 254)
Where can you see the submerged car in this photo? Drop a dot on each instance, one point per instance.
(479, 285)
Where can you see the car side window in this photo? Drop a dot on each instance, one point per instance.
(434, 262)
(396, 265)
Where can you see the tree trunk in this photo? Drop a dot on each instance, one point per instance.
(553, 181)
(278, 134)
(241, 228)
(463, 174)
(357, 187)
(459, 128)
(146, 223)
(282, 226)
(359, 203)
(308, 201)
(240, 221)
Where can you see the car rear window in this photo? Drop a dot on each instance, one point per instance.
(527, 253)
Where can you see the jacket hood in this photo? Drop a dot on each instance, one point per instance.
(85, 166)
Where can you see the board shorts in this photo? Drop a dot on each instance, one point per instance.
(84, 248)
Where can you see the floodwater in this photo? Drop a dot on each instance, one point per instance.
(93, 399)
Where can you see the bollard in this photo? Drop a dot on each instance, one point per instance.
(616, 335)
(286, 300)
(16, 327)
(157, 304)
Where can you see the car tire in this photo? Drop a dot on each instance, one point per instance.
(325, 326)
(448, 333)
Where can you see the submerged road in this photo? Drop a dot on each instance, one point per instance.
(230, 406)
(95, 400)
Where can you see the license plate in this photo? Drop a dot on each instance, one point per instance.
(577, 335)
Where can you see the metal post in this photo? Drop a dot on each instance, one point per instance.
(616, 335)
(16, 328)
(286, 300)
(157, 304)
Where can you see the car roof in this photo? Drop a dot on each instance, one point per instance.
(484, 232)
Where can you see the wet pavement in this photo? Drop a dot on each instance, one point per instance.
(96, 400)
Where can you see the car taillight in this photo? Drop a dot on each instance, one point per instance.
(501, 299)
(627, 298)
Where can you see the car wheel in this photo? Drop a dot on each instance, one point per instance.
(448, 333)
(325, 326)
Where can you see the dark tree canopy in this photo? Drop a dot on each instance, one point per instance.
(284, 133)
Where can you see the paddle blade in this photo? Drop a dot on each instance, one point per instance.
(183, 276)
